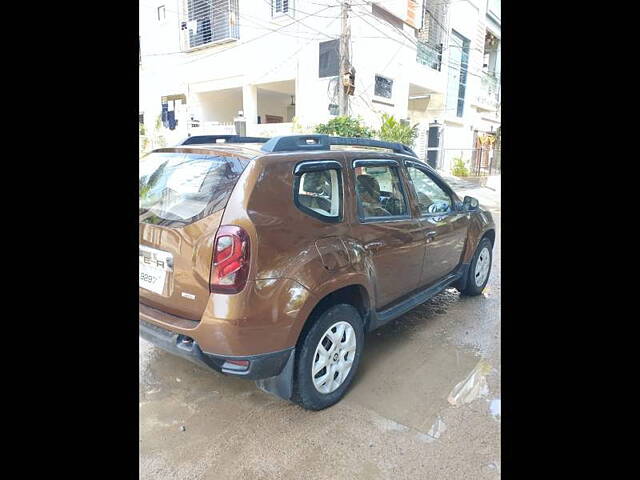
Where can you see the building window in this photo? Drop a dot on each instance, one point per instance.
(384, 87)
(161, 13)
(458, 67)
(280, 7)
(329, 58)
(210, 21)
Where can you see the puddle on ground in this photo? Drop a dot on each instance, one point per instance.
(406, 374)
(388, 425)
(437, 428)
(474, 386)
(495, 408)
(434, 433)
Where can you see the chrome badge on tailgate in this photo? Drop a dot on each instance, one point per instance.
(153, 268)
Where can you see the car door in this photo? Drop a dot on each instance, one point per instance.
(443, 219)
(391, 239)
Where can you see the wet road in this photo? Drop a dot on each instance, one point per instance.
(425, 404)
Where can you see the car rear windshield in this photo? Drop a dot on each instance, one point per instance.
(179, 188)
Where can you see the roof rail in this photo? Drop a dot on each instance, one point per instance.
(199, 139)
(314, 142)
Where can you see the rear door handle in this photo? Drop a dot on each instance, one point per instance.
(373, 245)
(431, 235)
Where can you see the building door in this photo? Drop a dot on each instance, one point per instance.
(433, 143)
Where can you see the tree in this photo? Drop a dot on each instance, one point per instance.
(394, 131)
(345, 126)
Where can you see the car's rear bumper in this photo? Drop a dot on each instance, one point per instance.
(260, 366)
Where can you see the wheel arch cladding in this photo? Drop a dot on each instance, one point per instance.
(355, 295)
(491, 235)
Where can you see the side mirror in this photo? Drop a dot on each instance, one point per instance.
(470, 204)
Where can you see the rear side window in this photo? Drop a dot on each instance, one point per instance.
(176, 189)
(319, 193)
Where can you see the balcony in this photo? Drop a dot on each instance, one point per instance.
(209, 22)
(489, 95)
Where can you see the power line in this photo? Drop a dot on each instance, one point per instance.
(414, 43)
(279, 29)
(413, 40)
(299, 21)
(290, 57)
(213, 54)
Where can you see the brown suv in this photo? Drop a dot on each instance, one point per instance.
(271, 259)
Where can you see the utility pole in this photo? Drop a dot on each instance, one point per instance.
(345, 63)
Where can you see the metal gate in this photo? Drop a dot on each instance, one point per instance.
(485, 157)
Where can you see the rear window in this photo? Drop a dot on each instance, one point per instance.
(179, 188)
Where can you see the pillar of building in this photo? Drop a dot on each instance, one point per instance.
(250, 103)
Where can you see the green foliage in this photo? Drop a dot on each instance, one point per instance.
(345, 127)
(297, 127)
(160, 141)
(141, 129)
(459, 168)
(394, 131)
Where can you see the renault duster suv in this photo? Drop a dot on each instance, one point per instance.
(270, 260)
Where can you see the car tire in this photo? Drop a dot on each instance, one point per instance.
(480, 269)
(340, 360)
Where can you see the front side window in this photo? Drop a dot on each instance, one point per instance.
(318, 193)
(432, 199)
(379, 192)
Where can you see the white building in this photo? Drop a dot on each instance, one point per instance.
(276, 61)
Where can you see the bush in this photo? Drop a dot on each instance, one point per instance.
(459, 168)
(345, 127)
(394, 131)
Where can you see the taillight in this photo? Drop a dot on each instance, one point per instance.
(230, 265)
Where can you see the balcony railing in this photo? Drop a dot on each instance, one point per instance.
(429, 55)
(208, 22)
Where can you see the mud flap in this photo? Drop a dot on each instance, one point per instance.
(461, 283)
(281, 385)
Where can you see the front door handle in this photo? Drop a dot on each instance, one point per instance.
(373, 245)
(431, 235)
